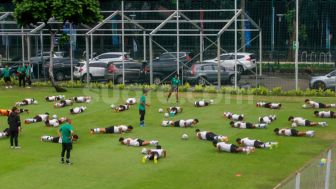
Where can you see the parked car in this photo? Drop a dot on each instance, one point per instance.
(245, 61)
(207, 72)
(112, 56)
(134, 72)
(166, 64)
(61, 68)
(323, 82)
(97, 71)
(46, 56)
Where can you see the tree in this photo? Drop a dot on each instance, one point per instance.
(28, 12)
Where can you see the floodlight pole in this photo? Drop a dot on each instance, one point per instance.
(87, 59)
(28, 48)
(144, 46)
(123, 41)
(71, 55)
(218, 62)
(297, 46)
(23, 44)
(260, 53)
(91, 45)
(235, 40)
(150, 59)
(178, 39)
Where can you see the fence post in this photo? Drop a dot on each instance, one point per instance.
(327, 177)
(297, 180)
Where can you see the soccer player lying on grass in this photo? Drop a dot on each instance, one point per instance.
(180, 123)
(292, 132)
(82, 99)
(55, 122)
(247, 125)
(246, 142)
(63, 103)
(26, 102)
(137, 142)
(131, 101)
(210, 136)
(174, 110)
(312, 104)
(54, 98)
(270, 105)
(226, 147)
(299, 121)
(4, 133)
(77, 110)
(203, 103)
(6, 112)
(325, 114)
(112, 129)
(234, 117)
(154, 154)
(267, 119)
(122, 108)
(38, 118)
(56, 139)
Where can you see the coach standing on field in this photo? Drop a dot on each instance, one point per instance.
(14, 123)
(66, 133)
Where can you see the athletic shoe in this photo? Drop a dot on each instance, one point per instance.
(69, 163)
(6, 87)
(155, 160)
(17, 147)
(91, 131)
(28, 87)
(10, 86)
(276, 144)
(144, 159)
(12, 147)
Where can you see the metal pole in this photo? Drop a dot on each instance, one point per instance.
(297, 46)
(297, 181)
(150, 60)
(327, 177)
(272, 34)
(123, 40)
(235, 36)
(144, 46)
(260, 53)
(201, 47)
(22, 48)
(87, 59)
(218, 62)
(91, 45)
(71, 55)
(177, 38)
(42, 59)
(28, 48)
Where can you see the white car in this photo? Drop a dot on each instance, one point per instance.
(245, 61)
(112, 57)
(97, 71)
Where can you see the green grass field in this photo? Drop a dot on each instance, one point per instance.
(101, 162)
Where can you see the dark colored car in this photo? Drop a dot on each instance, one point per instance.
(166, 64)
(203, 73)
(134, 72)
(61, 68)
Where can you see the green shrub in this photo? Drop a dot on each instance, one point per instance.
(198, 88)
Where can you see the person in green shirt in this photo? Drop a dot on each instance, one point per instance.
(21, 72)
(28, 74)
(175, 82)
(66, 133)
(142, 107)
(6, 75)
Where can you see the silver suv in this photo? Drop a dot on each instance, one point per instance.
(323, 82)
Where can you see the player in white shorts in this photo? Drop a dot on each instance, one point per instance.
(226, 147)
(246, 142)
(26, 101)
(131, 101)
(234, 117)
(167, 123)
(137, 142)
(325, 114)
(4, 133)
(122, 108)
(292, 132)
(247, 125)
(184, 123)
(203, 103)
(82, 99)
(154, 154)
(56, 139)
(312, 104)
(38, 118)
(267, 119)
(63, 103)
(210, 136)
(112, 129)
(54, 98)
(299, 121)
(77, 110)
(270, 105)
(174, 110)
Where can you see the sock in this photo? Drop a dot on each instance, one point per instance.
(261, 125)
(266, 145)
(153, 142)
(68, 160)
(96, 130)
(333, 105)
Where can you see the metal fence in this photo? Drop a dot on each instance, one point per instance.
(320, 173)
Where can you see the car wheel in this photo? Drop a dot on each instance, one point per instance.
(319, 85)
(119, 80)
(59, 76)
(85, 77)
(232, 79)
(157, 80)
(201, 81)
(240, 69)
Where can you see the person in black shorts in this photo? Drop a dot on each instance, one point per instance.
(112, 129)
(325, 114)
(292, 132)
(56, 139)
(210, 136)
(14, 123)
(246, 142)
(137, 142)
